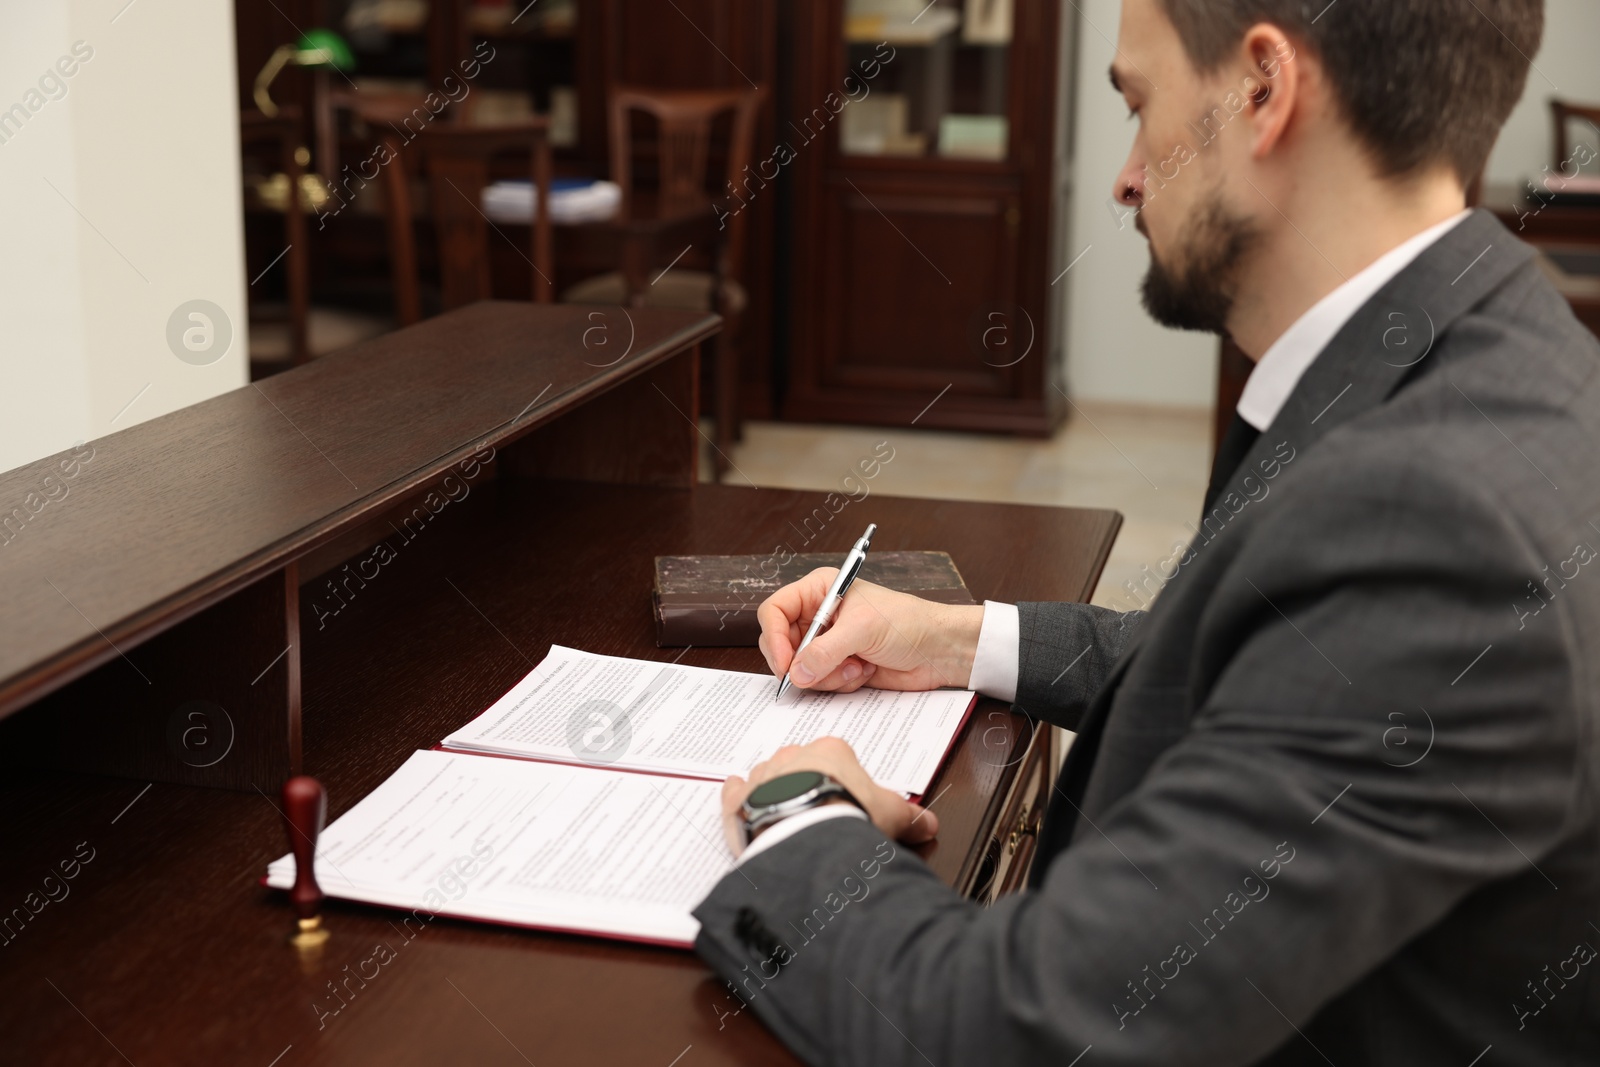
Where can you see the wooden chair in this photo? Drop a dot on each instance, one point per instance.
(1562, 113)
(455, 158)
(684, 122)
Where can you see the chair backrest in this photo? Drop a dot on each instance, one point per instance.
(393, 118)
(455, 157)
(1562, 112)
(388, 112)
(457, 161)
(684, 120)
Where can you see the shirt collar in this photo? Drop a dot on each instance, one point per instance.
(1277, 373)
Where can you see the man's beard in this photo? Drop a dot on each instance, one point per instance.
(1199, 294)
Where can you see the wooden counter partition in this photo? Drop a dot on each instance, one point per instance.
(205, 521)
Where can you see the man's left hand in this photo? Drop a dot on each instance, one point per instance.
(888, 810)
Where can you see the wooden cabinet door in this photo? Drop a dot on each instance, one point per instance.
(924, 291)
(920, 266)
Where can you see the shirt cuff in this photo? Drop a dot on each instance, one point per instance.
(994, 668)
(786, 828)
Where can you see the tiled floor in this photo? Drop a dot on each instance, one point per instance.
(1148, 463)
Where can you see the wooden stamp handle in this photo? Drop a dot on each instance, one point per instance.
(305, 806)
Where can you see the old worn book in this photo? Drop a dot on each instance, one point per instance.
(712, 600)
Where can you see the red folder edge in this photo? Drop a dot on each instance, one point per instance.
(608, 935)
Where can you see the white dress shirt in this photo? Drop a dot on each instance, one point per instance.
(994, 668)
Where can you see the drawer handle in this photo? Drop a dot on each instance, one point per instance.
(1027, 826)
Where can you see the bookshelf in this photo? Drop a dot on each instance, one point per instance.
(926, 227)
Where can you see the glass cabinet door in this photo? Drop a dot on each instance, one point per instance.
(927, 79)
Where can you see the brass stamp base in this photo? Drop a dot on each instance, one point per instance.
(311, 933)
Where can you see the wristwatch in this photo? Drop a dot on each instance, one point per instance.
(786, 795)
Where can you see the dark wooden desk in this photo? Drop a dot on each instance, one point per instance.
(1537, 221)
(163, 948)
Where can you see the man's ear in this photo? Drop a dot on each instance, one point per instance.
(1275, 88)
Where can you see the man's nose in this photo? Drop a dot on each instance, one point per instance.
(1129, 187)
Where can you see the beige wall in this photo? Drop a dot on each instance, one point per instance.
(121, 195)
(1114, 351)
(1565, 68)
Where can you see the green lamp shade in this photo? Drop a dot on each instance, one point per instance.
(323, 49)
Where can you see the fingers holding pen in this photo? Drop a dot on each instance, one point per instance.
(786, 614)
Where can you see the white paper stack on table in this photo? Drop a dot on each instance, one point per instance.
(607, 818)
(571, 200)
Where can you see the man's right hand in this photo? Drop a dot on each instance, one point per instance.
(879, 637)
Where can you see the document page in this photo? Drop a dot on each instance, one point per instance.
(668, 718)
(535, 844)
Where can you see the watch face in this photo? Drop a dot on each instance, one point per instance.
(784, 787)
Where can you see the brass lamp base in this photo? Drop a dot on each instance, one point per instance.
(272, 192)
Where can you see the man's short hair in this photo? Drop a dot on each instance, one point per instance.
(1420, 81)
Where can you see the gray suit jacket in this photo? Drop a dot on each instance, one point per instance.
(1333, 800)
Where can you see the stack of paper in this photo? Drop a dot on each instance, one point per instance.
(607, 820)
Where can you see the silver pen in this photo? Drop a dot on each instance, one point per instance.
(835, 597)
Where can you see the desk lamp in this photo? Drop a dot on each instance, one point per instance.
(317, 49)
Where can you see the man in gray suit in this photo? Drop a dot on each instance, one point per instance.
(1333, 800)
